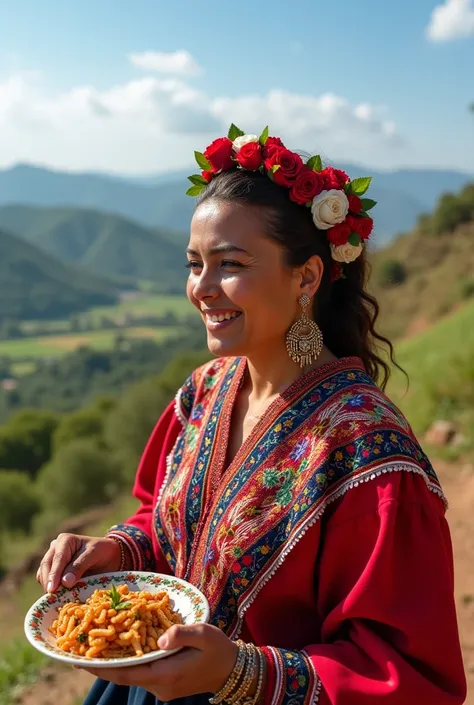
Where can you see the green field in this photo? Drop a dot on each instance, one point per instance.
(440, 367)
(57, 345)
(142, 305)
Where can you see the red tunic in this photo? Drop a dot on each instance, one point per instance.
(346, 575)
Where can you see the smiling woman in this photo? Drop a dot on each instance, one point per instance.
(282, 482)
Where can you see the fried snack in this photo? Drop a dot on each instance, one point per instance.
(114, 623)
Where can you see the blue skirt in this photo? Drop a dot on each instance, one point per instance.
(105, 693)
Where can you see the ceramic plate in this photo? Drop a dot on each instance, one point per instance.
(184, 597)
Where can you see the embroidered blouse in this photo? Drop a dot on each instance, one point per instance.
(324, 541)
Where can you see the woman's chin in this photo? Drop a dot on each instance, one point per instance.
(223, 348)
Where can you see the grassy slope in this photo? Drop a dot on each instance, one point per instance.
(440, 366)
(436, 267)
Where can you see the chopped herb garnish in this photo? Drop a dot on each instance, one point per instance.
(116, 600)
(82, 638)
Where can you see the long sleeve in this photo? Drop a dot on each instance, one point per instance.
(137, 531)
(384, 585)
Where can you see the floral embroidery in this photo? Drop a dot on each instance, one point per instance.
(138, 543)
(319, 440)
(292, 678)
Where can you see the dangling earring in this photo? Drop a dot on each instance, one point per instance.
(304, 340)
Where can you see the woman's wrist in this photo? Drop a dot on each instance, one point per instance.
(122, 557)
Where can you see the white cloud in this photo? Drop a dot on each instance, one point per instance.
(177, 62)
(451, 20)
(154, 123)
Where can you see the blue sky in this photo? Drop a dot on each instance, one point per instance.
(365, 81)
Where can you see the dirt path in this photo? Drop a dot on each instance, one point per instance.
(67, 687)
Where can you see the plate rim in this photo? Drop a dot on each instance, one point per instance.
(126, 661)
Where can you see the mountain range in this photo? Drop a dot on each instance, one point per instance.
(106, 244)
(34, 284)
(160, 201)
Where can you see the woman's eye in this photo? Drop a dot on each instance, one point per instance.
(194, 265)
(230, 263)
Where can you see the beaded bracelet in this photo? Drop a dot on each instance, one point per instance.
(250, 672)
(123, 558)
(234, 677)
(258, 692)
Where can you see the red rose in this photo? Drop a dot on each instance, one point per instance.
(355, 204)
(219, 154)
(250, 156)
(236, 567)
(339, 234)
(271, 145)
(361, 226)
(247, 560)
(336, 271)
(307, 185)
(290, 165)
(335, 178)
(207, 176)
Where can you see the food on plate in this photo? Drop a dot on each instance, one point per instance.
(114, 623)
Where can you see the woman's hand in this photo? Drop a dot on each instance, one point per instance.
(70, 557)
(203, 667)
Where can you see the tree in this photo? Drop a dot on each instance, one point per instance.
(19, 502)
(81, 476)
(85, 423)
(26, 440)
(392, 272)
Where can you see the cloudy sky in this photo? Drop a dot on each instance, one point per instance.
(135, 86)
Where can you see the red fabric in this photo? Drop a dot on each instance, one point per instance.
(150, 477)
(367, 592)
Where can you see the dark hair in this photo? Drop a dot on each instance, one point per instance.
(343, 309)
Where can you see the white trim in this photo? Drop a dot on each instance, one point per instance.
(311, 519)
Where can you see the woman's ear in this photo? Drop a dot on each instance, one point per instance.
(311, 275)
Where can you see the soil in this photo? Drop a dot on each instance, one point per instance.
(58, 686)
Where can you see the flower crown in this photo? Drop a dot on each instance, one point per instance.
(336, 202)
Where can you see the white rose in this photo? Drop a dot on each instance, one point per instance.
(345, 253)
(329, 208)
(239, 142)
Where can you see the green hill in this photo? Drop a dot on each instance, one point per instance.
(429, 272)
(107, 244)
(33, 284)
(440, 366)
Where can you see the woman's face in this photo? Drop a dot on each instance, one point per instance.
(238, 280)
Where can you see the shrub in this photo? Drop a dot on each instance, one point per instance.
(85, 423)
(392, 272)
(19, 501)
(26, 440)
(81, 476)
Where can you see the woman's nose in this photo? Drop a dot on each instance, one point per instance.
(206, 286)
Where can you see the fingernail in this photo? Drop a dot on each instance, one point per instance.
(163, 642)
(69, 578)
(49, 586)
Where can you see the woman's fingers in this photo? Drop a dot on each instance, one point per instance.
(81, 562)
(56, 560)
(42, 576)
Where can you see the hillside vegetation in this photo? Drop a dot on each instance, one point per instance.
(35, 285)
(106, 244)
(429, 272)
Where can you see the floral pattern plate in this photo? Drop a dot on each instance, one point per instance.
(185, 598)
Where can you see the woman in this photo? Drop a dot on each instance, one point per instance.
(283, 482)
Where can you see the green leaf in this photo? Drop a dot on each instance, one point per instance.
(275, 168)
(367, 204)
(264, 136)
(315, 163)
(123, 606)
(197, 179)
(234, 132)
(354, 239)
(363, 214)
(202, 161)
(194, 190)
(359, 186)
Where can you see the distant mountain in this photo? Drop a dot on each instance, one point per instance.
(104, 243)
(35, 285)
(160, 201)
